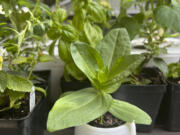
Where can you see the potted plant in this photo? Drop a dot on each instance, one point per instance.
(84, 25)
(106, 69)
(152, 24)
(170, 105)
(21, 49)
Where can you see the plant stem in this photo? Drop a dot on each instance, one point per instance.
(101, 120)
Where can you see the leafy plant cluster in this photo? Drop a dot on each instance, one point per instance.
(22, 39)
(174, 70)
(153, 22)
(106, 66)
(85, 26)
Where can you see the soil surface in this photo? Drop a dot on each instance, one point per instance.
(108, 121)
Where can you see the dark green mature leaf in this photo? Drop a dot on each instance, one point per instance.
(93, 34)
(132, 26)
(129, 113)
(18, 83)
(3, 81)
(87, 60)
(78, 108)
(115, 44)
(168, 17)
(161, 64)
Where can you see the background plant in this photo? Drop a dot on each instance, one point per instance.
(88, 16)
(22, 38)
(174, 70)
(156, 20)
(106, 67)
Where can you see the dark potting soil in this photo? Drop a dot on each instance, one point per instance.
(21, 112)
(108, 121)
(154, 75)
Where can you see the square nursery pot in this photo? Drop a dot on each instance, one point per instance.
(170, 108)
(146, 97)
(35, 121)
(126, 129)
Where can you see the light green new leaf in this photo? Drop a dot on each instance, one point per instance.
(168, 17)
(14, 97)
(20, 60)
(3, 81)
(18, 83)
(78, 108)
(115, 44)
(59, 15)
(87, 60)
(93, 34)
(125, 65)
(161, 64)
(129, 113)
(46, 58)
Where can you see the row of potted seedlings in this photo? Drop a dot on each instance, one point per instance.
(102, 79)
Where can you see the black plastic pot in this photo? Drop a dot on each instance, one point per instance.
(170, 108)
(35, 122)
(73, 85)
(146, 97)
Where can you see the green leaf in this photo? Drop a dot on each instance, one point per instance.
(14, 97)
(41, 90)
(168, 17)
(64, 51)
(132, 26)
(78, 108)
(20, 60)
(124, 66)
(161, 64)
(69, 33)
(114, 45)
(3, 81)
(18, 83)
(129, 113)
(174, 70)
(51, 48)
(1, 62)
(93, 34)
(46, 58)
(87, 60)
(59, 15)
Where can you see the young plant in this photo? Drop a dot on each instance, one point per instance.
(153, 22)
(106, 67)
(22, 48)
(174, 70)
(84, 26)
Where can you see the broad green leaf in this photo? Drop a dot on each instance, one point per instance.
(78, 108)
(168, 17)
(132, 26)
(64, 51)
(87, 60)
(114, 45)
(129, 113)
(93, 34)
(69, 33)
(96, 12)
(59, 15)
(74, 71)
(79, 19)
(125, 65)
(161, 64)
(14, 96)
(46, 58)
(3, 81)
(20, 60)
(54, 32)
(18, 83)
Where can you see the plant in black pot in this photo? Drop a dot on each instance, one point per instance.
(87, 108)
(85, 26)
(21, 49)
(170, 106)
(153, 25)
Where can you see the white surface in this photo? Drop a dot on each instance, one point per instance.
(126, 129)
(32, 99)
